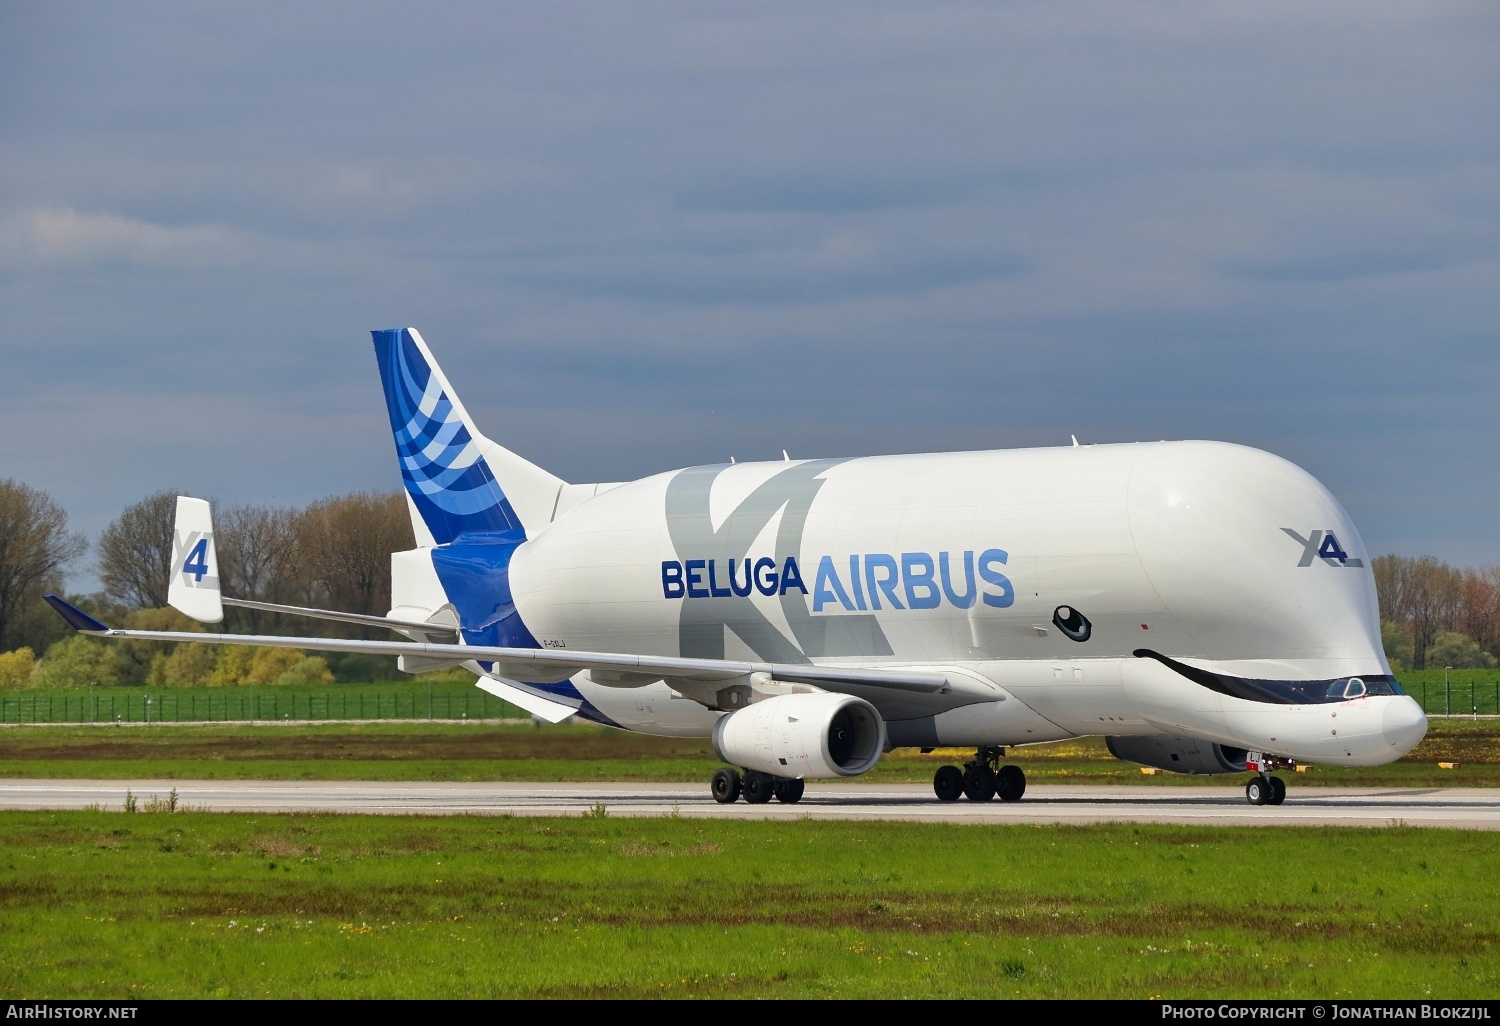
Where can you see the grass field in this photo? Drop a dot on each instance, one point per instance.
(422, 751)
(156, 905)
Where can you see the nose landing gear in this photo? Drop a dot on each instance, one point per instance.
(981, 779)
(1264, 789)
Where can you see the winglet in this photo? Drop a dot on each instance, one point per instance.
(193, 587)
(77, 618)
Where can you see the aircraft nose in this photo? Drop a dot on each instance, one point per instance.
(1404, 724)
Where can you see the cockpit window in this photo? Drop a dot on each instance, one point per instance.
(1343, 689)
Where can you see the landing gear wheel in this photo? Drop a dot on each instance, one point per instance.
(1257, 791)
(759, 787)
(1278, 790)
(725, 785)
(788, 790)
(979, 784)
(948, 783)
(1010, 783)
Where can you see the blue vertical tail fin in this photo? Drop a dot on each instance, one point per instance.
(457, 480)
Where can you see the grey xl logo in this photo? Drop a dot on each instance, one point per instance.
(701, 629)
(190, 557)
(1322, 545)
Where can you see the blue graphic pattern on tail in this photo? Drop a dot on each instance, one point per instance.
(441, 464)
(456, 494)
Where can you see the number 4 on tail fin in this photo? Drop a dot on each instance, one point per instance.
(197, 561)
(194, 585)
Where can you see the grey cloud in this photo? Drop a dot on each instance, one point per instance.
(838, 269)
(63, 236)
(814, 193)
(647, 236)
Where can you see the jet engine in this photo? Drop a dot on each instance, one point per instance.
(1178, 754)
(817, 735)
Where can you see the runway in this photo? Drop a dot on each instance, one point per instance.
(1464, 808)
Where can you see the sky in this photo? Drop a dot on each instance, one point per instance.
(651, 235)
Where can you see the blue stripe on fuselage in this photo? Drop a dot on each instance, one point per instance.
(475, 574)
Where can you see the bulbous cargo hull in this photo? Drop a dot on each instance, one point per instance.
(1047, 577)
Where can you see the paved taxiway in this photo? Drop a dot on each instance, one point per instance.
(1468, 808)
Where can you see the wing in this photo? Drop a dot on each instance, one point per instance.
(407, 627)
(611, 669)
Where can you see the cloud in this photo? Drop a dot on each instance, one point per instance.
(824, 193)
(62, 236)
(648, 236)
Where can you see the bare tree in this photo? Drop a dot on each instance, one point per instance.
(135, 551)
(1479, 610)
(1436, 589)
(258, 559)
(1393, 578)
(345, 544)
(35, 546)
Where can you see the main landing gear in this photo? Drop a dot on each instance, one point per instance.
(981, 779)
(1264, 789)
(728, 786)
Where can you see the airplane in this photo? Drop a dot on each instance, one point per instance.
(1206, 607)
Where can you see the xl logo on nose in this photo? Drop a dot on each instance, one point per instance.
(1322, 545)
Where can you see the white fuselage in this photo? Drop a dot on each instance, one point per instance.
(1200, 551)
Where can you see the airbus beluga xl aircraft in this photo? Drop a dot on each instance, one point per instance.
(1206, 607)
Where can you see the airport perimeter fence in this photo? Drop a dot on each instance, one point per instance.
(1463, 697)
(1458, 697)
(223, 705)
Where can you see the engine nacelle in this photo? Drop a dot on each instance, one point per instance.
(821, 735)
(1178, 754)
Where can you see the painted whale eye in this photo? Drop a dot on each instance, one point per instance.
(1072, 623)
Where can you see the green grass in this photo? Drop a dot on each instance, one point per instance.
(156, 905)
(422, 751)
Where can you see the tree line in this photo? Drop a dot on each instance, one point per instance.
(1437, 615)
(335, 554)
(331, 554)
